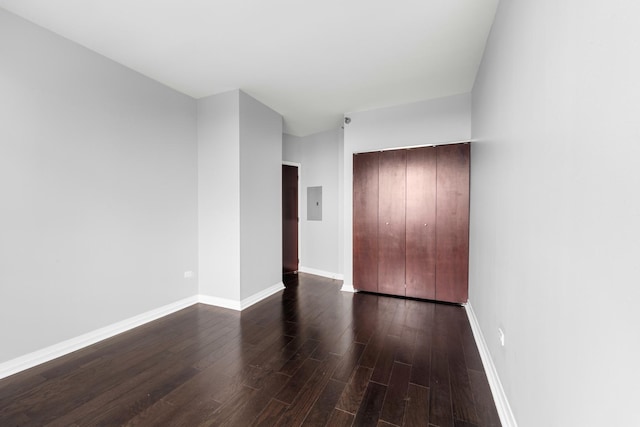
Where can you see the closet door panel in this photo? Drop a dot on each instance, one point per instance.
(365, 221)
(452, 217)
(391, 222)
(421, 223)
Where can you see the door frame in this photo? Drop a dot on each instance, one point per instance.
(299, 243)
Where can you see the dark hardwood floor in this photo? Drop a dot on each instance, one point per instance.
(310, 355)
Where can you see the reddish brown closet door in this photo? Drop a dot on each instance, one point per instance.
(391, 222)
(365, 221)
(452, 235)
(421, 223)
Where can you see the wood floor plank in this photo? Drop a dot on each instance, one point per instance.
(210, 353)
(349, 362)
(65, 367)
(234, 405)
(340, 418)
(336, 340)
(254, 406)
(417, 412)
(406, 345)
(383, 315)
(292, 388)
(123, 408)
(485, 405)
(384, 364)
(274, 358)
(459, 423)
(399, 318)
(420, 314)
(471, 353)
(18, 384)
(16, 419)
(421, 366)
(136, 387)
(462, 402)
(395, 400)
(309, 355)
(364, 325)
(164, 413)
(325, 403)
(304, 401)
(352, 395)
(189, 404)
(369, 411)
(192, 343)
(44, 402)
(343, 343)
(440, 407)
(271, 414)
(372, 350)
(289, 328)
(297, 359)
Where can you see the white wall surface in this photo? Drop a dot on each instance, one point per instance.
(555, 212)
(436, 121)
(292, 148)
(219, 195)
(341, 202)
(320, 158)
(98, 203)
(260, 196)
(239, 193)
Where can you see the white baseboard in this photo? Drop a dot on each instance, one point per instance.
(255, 298)
(220, 302)
(328, 274)
(346, 287)
(502, 404)
(47, 354)
(245, 303)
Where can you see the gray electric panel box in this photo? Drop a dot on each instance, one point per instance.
(314, 203)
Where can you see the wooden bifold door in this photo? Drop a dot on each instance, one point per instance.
(411, 222)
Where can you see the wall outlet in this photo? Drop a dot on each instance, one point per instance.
(501, 336)
(188, 274)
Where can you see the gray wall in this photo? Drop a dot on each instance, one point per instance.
(555, 212)
(98, 218)
(219, 195)
(239, 194)
(319, 156)
(292, 148)
(260, 196)
(429, 122)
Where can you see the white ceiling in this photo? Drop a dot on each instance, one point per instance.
(311, 61)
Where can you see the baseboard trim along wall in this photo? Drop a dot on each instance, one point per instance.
(257, 297)
(348, 288)
(327, 274)
(46, 354)
(231, 304)
(502, 404)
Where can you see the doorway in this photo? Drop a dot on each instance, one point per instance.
(289, 219)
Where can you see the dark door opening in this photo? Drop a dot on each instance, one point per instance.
(289, 219)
